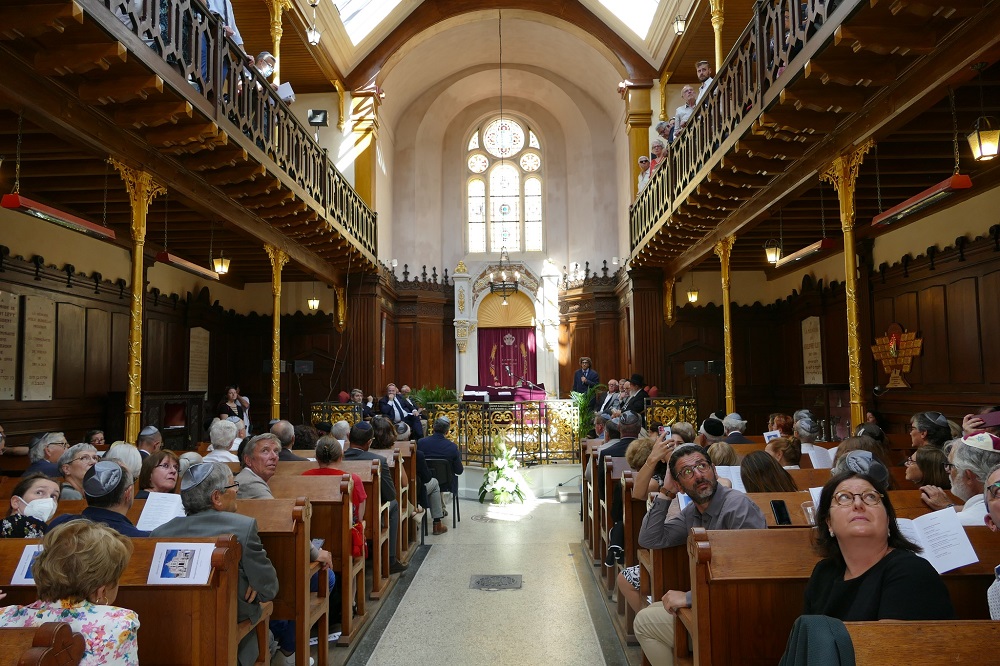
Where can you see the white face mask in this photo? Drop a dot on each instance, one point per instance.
(40, 509)
(266, 69)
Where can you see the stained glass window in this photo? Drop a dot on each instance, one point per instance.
(504, 203)
(503, 138)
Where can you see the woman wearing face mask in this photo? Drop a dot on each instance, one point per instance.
(32, 505)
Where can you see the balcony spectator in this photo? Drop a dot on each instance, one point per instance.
(656, 148)
(704, 72)
(685, 110)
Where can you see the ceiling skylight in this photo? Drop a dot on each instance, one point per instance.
(361, 17)
(637, 15)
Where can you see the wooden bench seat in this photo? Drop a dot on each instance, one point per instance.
(332, 517)
(613, 470)
(48, 644)
(202, 618)
(591, 504)
(937, 643)
(743, 607)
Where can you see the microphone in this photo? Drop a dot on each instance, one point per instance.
(509, 373)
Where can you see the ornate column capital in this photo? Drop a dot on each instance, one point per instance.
(843, 174)
(141, 190)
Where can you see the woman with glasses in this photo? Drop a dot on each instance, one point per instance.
(928, 466)
(73, 464)
(929, 428)
(870, 571)
(158, 473)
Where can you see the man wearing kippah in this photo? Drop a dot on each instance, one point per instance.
(208, 494)
(149, 441)
(969, 463)
(110, 493)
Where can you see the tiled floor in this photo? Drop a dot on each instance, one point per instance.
(440, 619)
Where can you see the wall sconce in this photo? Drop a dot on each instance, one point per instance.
(680, 23)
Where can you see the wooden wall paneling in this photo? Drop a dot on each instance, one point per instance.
(834, 331)
(648, 356)
(907, 315)
(962, 316)
(363, 334)
(934, 329)
(989, 319)
(97, 361)
(119, 351)
(70, 351)
(606, 347)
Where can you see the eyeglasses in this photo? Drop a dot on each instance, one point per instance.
(688, 472)
(167, 466)
(908, 462)
(86, 458)
(869, 497)
(234, 484)
(64, 445)
(993, 489)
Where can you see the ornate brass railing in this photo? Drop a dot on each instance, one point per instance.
(187, 49)
(745, 85)
(331, 412)
(668, 410)
(543, 431)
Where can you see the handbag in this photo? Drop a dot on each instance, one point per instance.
(358, 545)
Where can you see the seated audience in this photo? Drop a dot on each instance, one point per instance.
(329, 452)
(259, 458)
(306, 437)
(110, 492)
(73, 464)
(734, 426)
(710, 432)
(185, 460)
(685, 430)
(222, 435)
(149, 441)
(926, 467)
(383, 440)
(806, 430)
(33, 502)
(869, 571)
(786, 450)
(11, 450)
(77, 576)
(285, 432)
(870, 429)
(723, 454)
(94, 437)
(45, 453)
(782, 423)
(340, 431)
(159, 473)
(428, 487)
(437, 445)
(713, 506)
(992, 497)
(208, 493)
(929, 428)
(357, 397)
(762, 473)
(127, 455)
(849, 444)
(969, 462)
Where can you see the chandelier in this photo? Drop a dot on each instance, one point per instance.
(507, 285)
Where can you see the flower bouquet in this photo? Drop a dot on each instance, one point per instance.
(500, 479)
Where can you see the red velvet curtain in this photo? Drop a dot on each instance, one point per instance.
(502, 348)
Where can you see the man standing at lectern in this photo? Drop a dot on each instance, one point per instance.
(585, 377)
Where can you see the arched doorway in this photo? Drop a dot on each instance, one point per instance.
(506, 340)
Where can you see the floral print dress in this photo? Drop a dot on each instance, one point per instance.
(110, 632)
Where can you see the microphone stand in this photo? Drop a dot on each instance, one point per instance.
(532, 385)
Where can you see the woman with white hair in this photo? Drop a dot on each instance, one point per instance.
(127, 455)
(222, 433)
(74, 464)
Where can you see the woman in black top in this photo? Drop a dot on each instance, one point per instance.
(870, 571)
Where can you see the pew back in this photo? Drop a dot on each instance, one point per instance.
(48, 644)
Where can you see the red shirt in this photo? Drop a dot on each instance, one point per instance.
(358, 495)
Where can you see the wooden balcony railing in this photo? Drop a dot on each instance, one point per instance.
(186, 47)
(750, 79)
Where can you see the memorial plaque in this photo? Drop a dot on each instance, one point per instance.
(812, 351)
(198, 347)
(38, 361)
(9, 311)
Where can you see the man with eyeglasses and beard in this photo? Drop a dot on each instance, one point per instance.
(713, 506)
(969, 463)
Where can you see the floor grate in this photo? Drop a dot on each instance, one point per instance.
(495, 582)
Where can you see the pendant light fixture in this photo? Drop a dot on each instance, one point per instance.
(984, 138)
(164, 256)
(220, 263)
(773, 248)
(313, 302)
(692, 293)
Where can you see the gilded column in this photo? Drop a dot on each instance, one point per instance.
(341, 105)
(718, 18)
(141, 190)
(276, 7)
(278, 259)
(664, 78)
(668, 300)
(842, 174)
(723, 249)
(365, 123)
(638, 118)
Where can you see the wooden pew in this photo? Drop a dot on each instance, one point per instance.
(634, 511)
(613, 470)
(48, 644)
(591, 504)
(809, 478)
(743, 450)
(968, 641)
(202, 618)
(284, 528)
(743, 607)
(402, 458)
(332, 517)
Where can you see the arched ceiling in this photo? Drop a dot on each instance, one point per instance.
(464, 47)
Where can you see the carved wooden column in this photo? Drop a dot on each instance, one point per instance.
(276, 7)
(141, 190)
(365, 123)
(723, 249)
(718, 18)
(278, 259)
(843, 174)
(638, 118)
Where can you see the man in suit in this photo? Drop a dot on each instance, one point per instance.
(358, 398)
(586, 377)
(611, 401)
(149, 441)
(109, 490)
(208, 493)
(259, 458)
(360, 439)
(439, 446)
(285, 432)
(734, 426)
(399, 410)
(637, 397)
